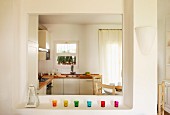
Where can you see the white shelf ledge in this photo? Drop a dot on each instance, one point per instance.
(45, 103)
(48, 106)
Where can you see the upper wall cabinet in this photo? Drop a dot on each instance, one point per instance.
(43, 39)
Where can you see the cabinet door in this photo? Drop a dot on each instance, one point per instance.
(32, 61)
(41, 55)
(71, 87)
(86, 87)
(57, 88)
(43, 39)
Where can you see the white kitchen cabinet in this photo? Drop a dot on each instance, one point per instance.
(57, 88)
(43, 90)
(32, 63)
(41, 55)
(43, 39)
(86, 87)
(71, 87)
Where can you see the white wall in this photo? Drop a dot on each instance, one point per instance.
(144, 73)
(163, 11)
(87, 35)
(75, 6)
(145, 66)
(128, 58)
(92, 51)
(32, 49)
(9, 60)
(6, 59)
(61, 32)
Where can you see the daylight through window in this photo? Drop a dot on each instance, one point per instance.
(66, 53)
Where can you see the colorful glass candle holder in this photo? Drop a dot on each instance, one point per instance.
(54, 103)
(65, 103)
(76, 103)
(102, 103)
(89, 103)
(116, 104)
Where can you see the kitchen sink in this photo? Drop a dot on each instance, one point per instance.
(43, 79)
(71, 75)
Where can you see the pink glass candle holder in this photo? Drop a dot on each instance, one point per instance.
(102, 103)
(116, 104)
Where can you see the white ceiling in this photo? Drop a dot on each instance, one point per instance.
(81, 19)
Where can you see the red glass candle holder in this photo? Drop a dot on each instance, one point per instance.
(102, 103)
(116, 104)
(54, 103)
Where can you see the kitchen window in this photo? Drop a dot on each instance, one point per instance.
(66, 53)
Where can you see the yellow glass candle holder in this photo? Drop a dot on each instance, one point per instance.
(65, 103)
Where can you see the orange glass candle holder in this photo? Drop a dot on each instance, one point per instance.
(54, 103)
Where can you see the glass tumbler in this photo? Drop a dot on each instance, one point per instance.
(54, 103)
(89, 103)
(102, 103)
(65, 103)
(76, 103)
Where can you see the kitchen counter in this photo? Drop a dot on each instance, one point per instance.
(64, 76)
(42, 84)
(74, 76)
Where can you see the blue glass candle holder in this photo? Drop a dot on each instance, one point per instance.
(89, 103)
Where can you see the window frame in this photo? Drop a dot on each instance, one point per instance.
(66, 54)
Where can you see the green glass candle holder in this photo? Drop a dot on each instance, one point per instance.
(76, 103)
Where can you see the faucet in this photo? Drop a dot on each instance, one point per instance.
(72, 70)
(72, 67)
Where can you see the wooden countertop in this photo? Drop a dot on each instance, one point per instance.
(63, 76)
(42, 84)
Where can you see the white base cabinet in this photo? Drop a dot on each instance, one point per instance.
(86, 87)
(63, 86)
(57, 88)
(71, 87)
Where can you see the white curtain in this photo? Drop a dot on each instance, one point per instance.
(110, 54)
